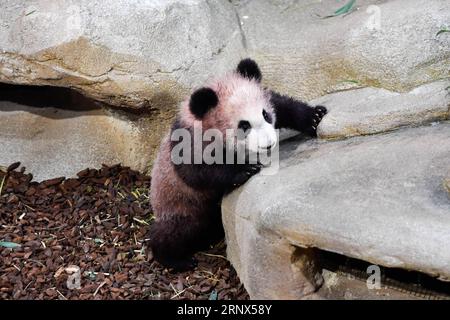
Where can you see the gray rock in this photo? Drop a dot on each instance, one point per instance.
(151, 53)
(387, 44)
(134, 54)
(377, 198)
(59, 142)
(126, 53)
(372, 110)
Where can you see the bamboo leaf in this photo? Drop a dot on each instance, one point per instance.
(10, 245)
(98, 241)
(344, 9)
(2, 183)
(350, 81)
(213, 295)
(442, 31)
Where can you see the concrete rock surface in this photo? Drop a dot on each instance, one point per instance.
(377, 198)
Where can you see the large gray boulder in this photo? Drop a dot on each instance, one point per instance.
(125, 53)
(374, 110)
(387, 44)
(150, 53)
(62, 142)
(142, 56)
(145, 56)
(379, 198)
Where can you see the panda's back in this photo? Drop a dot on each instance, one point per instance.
(169, 194)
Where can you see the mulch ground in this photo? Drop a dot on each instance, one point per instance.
(85, 238)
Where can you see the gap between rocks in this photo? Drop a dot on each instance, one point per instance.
(346, 278)
(61, 98)
(57, 131)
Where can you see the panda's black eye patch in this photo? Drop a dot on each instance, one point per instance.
(267, 116)
(244, 125)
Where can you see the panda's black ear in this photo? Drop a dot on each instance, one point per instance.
(202, 100)
(249, 69)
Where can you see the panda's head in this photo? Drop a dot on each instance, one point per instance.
(236, 104)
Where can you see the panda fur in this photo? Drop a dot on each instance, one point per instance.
(186, 198)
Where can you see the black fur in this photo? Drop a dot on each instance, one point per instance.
(176, 239)
(297, 115)
(220, 178)
(223, 178)
(249, 69)
(202, 101)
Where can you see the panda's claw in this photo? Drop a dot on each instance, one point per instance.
(243, 176)
(320, 111)
(315, 117)
(253, 169)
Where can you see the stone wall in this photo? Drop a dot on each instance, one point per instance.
(148, 55)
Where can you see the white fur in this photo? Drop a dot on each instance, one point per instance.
(248, 100)
(239, 99)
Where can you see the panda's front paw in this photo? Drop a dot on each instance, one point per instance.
(183, 265)
(318, 113)
(243, 176)
(253, 169)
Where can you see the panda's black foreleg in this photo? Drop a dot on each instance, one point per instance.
(226, 177)
(294, 114)
(175, 239)
(242, 176)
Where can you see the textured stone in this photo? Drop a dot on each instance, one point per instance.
(150, 53)
(60, 142)
(147, 55)
(387, 44)
(372, 110)
(378, 198)
(125, 53)
(144, 55)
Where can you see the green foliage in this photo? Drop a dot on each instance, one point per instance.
(345, 9)
(9, 245)
(2, 183)
(213, 295)
(443, 30)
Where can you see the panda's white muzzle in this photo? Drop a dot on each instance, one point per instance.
(262, 139)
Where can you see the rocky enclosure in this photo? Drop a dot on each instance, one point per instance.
(379, 199)
(379, 68)
(147, 55)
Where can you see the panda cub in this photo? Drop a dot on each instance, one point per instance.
(186, 197)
